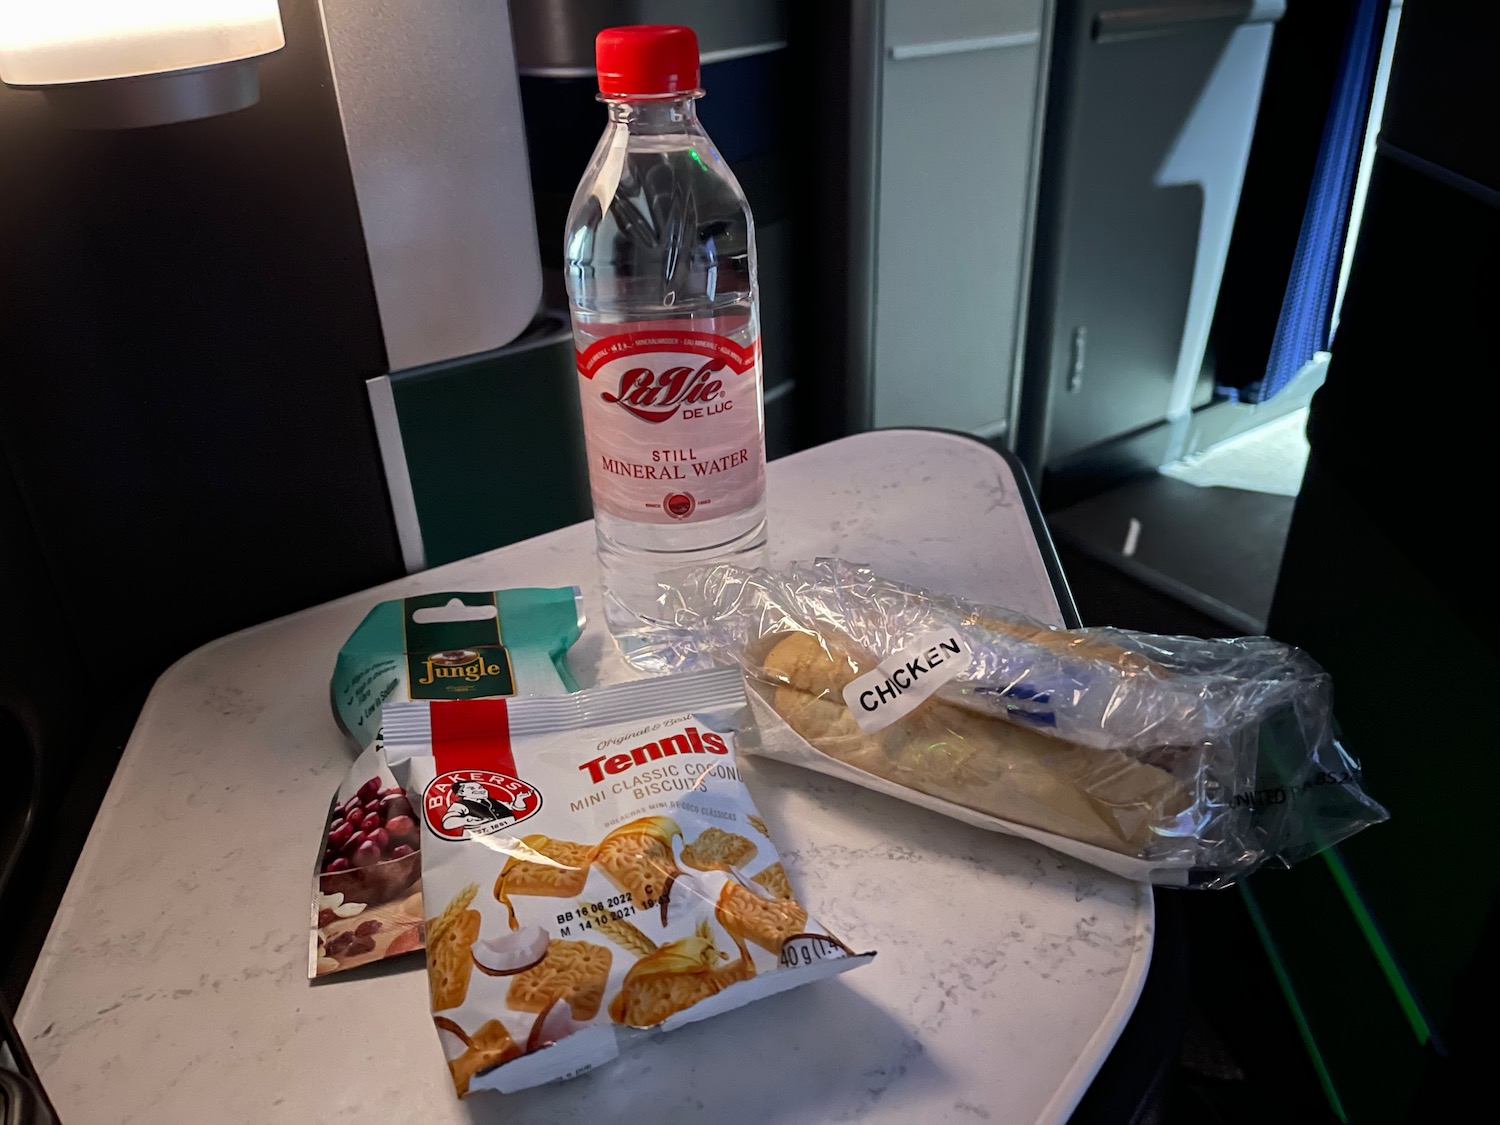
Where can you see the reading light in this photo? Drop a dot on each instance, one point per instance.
(120, 64)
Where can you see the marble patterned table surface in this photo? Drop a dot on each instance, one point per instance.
(173, 986)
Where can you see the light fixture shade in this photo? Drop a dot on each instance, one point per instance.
(55, 42)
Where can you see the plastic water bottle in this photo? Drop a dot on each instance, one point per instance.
(660, 263)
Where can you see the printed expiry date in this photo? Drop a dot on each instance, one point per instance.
(614, 909)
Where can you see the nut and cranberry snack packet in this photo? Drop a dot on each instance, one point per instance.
(367, 891)
(595, 871)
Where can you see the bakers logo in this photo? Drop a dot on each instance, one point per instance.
(462, 804)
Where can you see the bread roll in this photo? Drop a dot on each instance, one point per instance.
(1100, 797)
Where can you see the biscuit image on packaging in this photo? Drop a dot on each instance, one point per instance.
(488, 1047)
(574, 971)
(768, 922)
(542, 866)
(450, 937)
(677, 976)
(715, 849)
(637, 858)
(774, 880)
(619, 931)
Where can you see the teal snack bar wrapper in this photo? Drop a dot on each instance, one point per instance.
(367, 887)
(456, 645)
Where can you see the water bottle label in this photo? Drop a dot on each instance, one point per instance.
(673, 423)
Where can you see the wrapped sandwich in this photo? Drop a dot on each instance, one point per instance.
(1169, 759)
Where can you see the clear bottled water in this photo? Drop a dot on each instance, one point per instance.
(660, 263)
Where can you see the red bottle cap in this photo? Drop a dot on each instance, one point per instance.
(646, 60)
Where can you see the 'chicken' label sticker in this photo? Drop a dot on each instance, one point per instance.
(901, 682)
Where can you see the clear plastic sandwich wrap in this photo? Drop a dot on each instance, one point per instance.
(1171, 759)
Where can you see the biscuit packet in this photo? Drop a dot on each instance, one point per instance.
(596, 872)
(367, 890)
